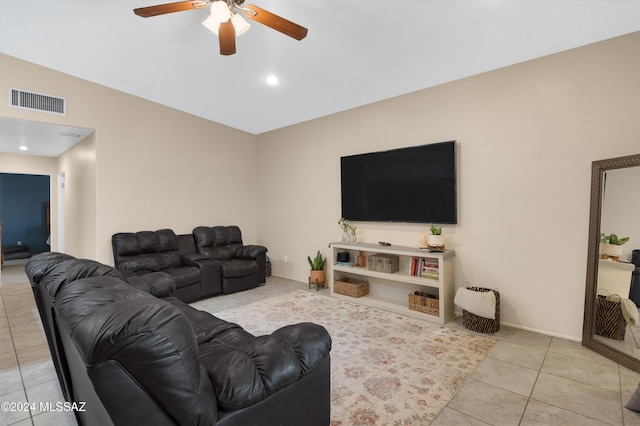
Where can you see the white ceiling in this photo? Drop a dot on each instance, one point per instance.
(49, 140)
(356, 52)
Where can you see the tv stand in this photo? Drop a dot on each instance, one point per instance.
(390, 291)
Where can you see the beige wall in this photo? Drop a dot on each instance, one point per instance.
(527, 135)
(153, 167)
(79, 167)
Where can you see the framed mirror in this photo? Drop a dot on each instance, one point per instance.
(615, 209)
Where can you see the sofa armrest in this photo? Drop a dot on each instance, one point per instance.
(210, 276)
(192, 259)
(250, 251)
(256, 367)
(158, 284)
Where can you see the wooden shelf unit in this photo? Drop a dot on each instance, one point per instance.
(390, 291)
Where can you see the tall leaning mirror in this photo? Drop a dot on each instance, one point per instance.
(612, 298)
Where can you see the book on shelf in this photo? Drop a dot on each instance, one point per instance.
(425, 267)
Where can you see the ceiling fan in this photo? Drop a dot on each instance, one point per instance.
(225, 21)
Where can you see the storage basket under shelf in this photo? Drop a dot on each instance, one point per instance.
(480, 324)
(351, 287)
(423, 302)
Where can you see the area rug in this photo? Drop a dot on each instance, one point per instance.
(385, 368)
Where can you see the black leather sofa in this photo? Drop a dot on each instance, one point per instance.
(137, 355)
(199, 270)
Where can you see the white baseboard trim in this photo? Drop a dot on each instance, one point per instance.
(535, 330)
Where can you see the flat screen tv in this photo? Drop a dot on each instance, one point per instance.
(414, 184)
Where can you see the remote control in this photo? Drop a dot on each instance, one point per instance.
(384, 243)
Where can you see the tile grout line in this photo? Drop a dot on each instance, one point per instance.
(546, 353)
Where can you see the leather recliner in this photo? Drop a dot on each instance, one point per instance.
(135, 358)
(242, 267)
(144, 252)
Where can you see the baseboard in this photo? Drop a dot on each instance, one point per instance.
(534, 330)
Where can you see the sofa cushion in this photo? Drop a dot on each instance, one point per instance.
(245, 369)
(75, 269)
(143, 242)
(150, 262)
(159, 284)
(205, 326)
(138, 263)
(40, 264)
(235, 268)
(185, 275)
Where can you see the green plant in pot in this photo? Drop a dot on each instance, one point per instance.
(611, 246)
(436, 239)
(317, 274)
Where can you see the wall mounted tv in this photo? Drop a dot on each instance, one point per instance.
(414, 184)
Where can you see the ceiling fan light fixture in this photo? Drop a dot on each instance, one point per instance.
(211, 24)
(240, 24)
(219, 13)
(220, 10)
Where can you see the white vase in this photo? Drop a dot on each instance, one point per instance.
(610, 251)
(614, 251)
(349, 237)
(436, 240)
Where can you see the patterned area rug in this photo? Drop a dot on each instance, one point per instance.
(385, 368)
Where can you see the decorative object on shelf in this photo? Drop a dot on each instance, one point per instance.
(611, 246)
(343, 257)
(348, 231)
(362, 259)
(424, 302)
(424, 241)
(351, 287)
(483, 320)
(381, 262)
(317, 274)
(435, 241)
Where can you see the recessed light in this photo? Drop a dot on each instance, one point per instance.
(271, 80)
(24, 148)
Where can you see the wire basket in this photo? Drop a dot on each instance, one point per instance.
(480, 324)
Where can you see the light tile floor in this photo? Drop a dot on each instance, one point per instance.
(527, 378)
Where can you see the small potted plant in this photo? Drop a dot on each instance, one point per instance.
(317, 273)
(348, 231)
(436, 239)
(611, 246)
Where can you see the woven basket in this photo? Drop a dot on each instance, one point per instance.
(610, 322)
(423, 302)
(351, 287)
(480, 324)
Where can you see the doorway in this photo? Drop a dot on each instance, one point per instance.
(24, 211)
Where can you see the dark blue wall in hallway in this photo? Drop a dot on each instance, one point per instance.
(23, 209)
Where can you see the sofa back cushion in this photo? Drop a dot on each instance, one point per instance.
(146, 251)
(218, 242)
(38, 265)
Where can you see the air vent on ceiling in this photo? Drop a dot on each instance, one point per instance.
(37, 101)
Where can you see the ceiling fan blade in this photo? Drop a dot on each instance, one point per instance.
(276, 22)
(161, 9)
(227, 38)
